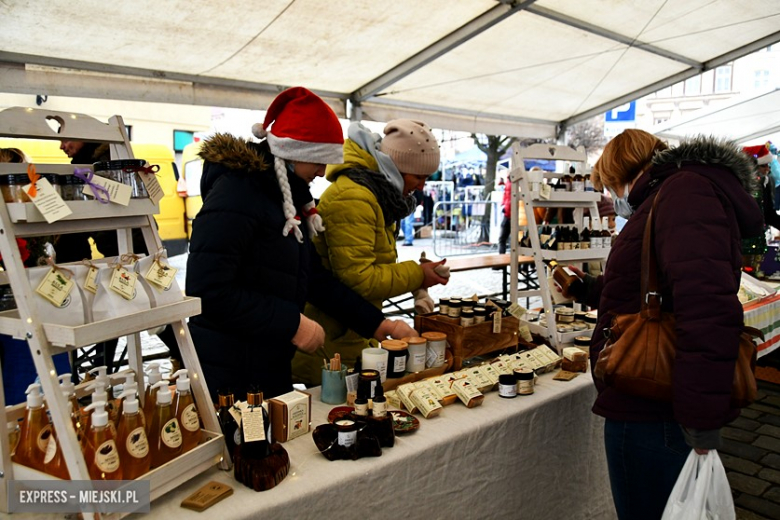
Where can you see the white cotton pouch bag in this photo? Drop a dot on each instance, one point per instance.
(157, 295)
(70, 313)
(110, 304)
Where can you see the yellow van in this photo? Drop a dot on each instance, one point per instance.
(192, 170)
(170, 219)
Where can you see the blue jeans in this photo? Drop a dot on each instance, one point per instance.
(644, 461)
(407, 225)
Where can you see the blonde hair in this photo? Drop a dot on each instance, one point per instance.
(624, 157)
(12, 155)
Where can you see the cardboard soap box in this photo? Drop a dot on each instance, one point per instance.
(290, 415)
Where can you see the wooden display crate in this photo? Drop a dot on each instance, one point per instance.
(474, 340)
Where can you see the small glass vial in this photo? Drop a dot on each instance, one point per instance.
(466, 305)
(480, 314)
(124, 171)
(466, 317)
(507, 386)
(72, 188)
(444, 306)
(11, 187)
(54, 180)
(454, 309)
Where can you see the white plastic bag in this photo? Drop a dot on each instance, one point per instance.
(702, 491)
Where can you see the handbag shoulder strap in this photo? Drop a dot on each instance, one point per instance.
(651, 296)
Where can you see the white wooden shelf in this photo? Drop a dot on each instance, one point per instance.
(558, 197)
(84, 210)
(566, 255)
(70, 337)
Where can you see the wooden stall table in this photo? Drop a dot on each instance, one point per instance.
(403, 305)
(539, 456)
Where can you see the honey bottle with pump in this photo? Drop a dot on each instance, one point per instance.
(100, 450)
(111, 406)
(68, 389)
(54, 461)
(131, 438)
(127, 387)
(150, 394)
(165, 438)
(129, 382)
(98, 394)
(35, 431)
(186, 412)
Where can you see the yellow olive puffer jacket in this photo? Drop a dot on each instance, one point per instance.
(359, 247)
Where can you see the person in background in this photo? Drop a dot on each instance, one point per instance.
(506, 208)
(704, 208)
(762, 158)
(368, 195)
(251, 260)
(407, 223)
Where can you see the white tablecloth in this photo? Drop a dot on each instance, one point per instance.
(535, 457)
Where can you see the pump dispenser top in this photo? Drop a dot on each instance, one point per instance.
(163, 394)
(34, 396)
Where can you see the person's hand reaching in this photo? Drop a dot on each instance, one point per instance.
(434, 273)
(310, 335)
(396, 329)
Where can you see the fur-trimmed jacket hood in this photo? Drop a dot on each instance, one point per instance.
(233, 153)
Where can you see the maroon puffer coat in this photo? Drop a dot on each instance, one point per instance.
(704, 210)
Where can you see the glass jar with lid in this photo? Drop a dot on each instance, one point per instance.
(124, 171)
(11, 186)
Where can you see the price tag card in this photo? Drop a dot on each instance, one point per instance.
(55, 287)
(252, 423)
(123, 282)
(117, 192)
(152, 185)
(48, 201)
(161, 275)
(497, 322)
(525, 333)
(235, 411)
(90, 282)
(545, 190)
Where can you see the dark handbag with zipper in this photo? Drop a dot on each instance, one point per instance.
(638, 358)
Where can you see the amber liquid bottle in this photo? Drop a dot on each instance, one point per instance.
(381, 422)
(256, 449)
(227, 423)
(35, 431)
(186, 413)
(100, 450)
(150, 394)
(165, 438)
(132, 441)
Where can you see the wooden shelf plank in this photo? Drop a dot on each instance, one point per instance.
(84, 210)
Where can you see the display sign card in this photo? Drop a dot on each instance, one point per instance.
(152, 185)
(161, 274)
(123, 282)
(48, 201)
(118, 192)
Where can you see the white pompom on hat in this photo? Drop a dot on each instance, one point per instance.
(300, 126)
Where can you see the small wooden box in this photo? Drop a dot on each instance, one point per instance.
(474, 340)
(290, 415)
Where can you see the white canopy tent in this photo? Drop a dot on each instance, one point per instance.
(526, 68)
(741, 119)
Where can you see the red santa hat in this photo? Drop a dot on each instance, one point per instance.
(300, 126)
(760, 152)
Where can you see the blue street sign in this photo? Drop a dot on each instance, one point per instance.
(625, 112)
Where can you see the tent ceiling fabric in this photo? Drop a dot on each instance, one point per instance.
(741, 119)
(517, 67)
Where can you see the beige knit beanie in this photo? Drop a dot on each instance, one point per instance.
(412, 146)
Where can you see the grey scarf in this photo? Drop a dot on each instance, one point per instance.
(394, 205)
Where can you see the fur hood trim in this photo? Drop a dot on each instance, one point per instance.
(711, 150)
(233, 152)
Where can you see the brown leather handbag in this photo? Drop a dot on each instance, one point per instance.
(638, 358)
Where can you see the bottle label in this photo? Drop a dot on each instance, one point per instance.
(189, 418)
(525, 386)
(171, 434)
(253, 424)
(43, 438)
(237, 436)
(137, 444)
(347, 439)
(107, 457)
(380, 408)
(507, 390)
(51, 450)
(399, 364)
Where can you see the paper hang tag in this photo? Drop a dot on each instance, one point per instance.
(253, 424)
(525, 333)
(90, 282)
(55, 287)
(117, 192)
(235, 412)
(161, 275)
(152, 186)
(545, 190)
(48, 201)
(518, 311)
(123, 282)
(497, 322)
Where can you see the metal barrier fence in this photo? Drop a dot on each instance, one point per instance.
(462, 227)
